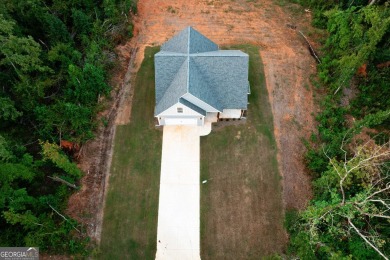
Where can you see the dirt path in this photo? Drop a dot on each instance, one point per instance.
(287, 66)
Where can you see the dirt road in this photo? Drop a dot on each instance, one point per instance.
(287, 66)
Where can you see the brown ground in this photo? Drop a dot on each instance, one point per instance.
(287, 66)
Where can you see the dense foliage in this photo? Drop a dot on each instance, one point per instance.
(54, 58)
(348, 218)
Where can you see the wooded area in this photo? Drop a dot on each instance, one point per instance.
(55, 57)
(54, 62)
(349, 157)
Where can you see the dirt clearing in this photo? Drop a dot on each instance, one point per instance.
(287, 64)
(287, 67)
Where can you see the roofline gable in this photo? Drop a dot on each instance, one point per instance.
(178, 102)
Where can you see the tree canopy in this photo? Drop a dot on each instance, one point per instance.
(349, 157)
(54, 63)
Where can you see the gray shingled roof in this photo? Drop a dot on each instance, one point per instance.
(191, 63)
(189, 41)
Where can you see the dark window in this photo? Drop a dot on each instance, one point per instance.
(179, 110)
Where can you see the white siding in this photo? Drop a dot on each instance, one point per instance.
(181, 121)
(230, 113)
(172, 111)
(212, 117)
(172, 116)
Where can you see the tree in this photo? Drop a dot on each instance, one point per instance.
(87, 84)
(352, 204)
(53, 71)
(55, 29)
(8, 110)
(354, 36)
(82, 23)
(53, 153)
(5, 154)
(22, 53)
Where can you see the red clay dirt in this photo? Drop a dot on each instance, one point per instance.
(287, 67)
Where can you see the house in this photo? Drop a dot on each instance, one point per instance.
(197, 83)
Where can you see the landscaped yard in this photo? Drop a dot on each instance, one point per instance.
(241, 204)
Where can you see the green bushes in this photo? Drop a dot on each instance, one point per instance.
(346, 218)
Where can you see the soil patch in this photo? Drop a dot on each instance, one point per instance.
(271, 25)
(287, 67)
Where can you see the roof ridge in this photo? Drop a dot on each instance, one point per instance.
(188, 39)
(206, 80)
(171, 84)
(226, 53)
(173, 79)
(188, 59)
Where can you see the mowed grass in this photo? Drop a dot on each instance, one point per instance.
(241, 203)
(130, 214)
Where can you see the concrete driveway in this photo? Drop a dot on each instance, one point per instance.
(178, 232)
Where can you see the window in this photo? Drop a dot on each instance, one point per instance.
(179, 110)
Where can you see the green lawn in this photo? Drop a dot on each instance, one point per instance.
(130, 214)
(241, 205)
